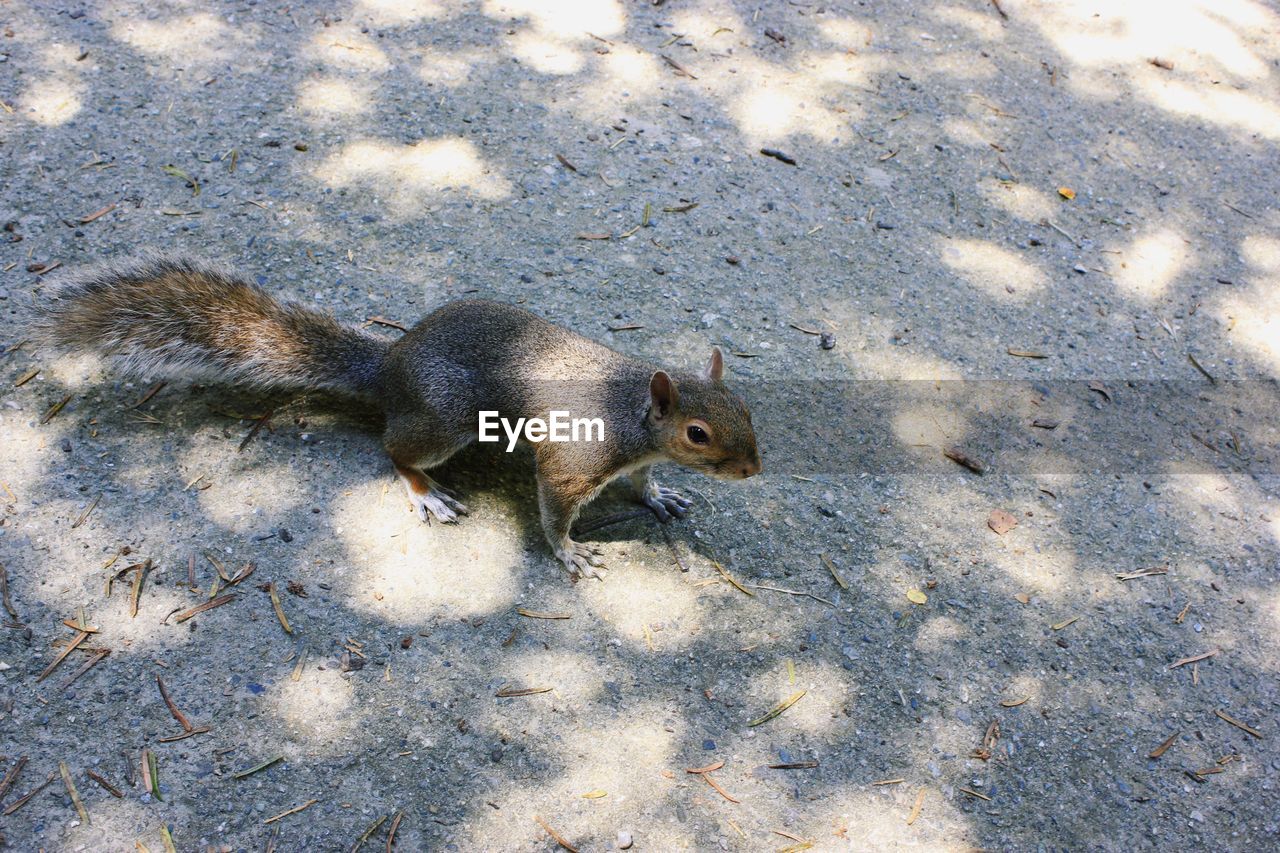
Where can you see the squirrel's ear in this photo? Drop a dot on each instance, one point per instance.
(662, 394)
(715, 368)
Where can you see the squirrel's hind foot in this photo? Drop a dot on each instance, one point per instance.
(438, 504)
(429, 498)
(582, 561)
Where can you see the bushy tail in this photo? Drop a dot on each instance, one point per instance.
(177, 317)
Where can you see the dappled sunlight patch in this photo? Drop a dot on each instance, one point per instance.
(317, 709)
(770, 102)
(1150, 264)
(956, 67)
(408, 173)
(191, 42)
(926, 427)
(1204, 35)
(847, 33)
(618, 758)
(882, 360)
(891, 362)
(974, 24)
(563, 19)
(406, 571)
(147, 633)
(710, 23)
(1046, 570)
(623, 73)
(547, 55)
(773, 110)
(996, 271)
(1022, 691)
(1271, 627)
(450, 68)
(343, 45)
(966, 131)
(1201, 490)
(869, 818)
(390, 13)
(115, 823)
(52, 100)
(575, 676)
(1261, 252)
(828, 690)
(334, 96)
(24, 453)
(646, 606)
(949, 735)
(248, 494)
(1213, 492)
(1255, 323)
(939, 634)
(1021, 200)
(1242, 110)
(1201, 40)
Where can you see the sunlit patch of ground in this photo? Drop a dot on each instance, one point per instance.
(345, 46)
(408, 572)
(1151, 264)
(998, 272)
(390, 13)
(1021, 200)
(648, 607)
(193, 42)
(408, 175)
(317, 709)
(329, 97)
(619, 762)
(1253, 318)
(1200, 42)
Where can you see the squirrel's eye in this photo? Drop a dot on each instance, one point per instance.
(698, 435)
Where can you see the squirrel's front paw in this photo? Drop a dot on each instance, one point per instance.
(666, 503)
(582, 561)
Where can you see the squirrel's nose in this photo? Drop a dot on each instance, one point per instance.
(750, 469)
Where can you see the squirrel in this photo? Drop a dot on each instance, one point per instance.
(180, 317)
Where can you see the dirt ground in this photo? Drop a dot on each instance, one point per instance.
(1043, 237)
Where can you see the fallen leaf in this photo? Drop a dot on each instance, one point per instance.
(915, 596)
(1001, 522)
(1067, 193)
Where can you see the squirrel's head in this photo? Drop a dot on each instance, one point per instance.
(703, 425)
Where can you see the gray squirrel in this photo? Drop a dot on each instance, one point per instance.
(180, 317)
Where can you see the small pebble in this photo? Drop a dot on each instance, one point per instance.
(625, 840)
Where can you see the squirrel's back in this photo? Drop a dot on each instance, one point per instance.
(165, 316)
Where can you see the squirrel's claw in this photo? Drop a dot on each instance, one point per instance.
(582, 561)
(666, 503)
(428, 497)
(438, 503)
